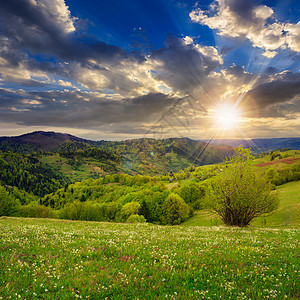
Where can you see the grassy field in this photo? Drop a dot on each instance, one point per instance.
(288, 212)
(57, 259)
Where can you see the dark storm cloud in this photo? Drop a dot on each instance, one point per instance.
(282, 89)
(30, 26)
(242, 10)
(80, 109)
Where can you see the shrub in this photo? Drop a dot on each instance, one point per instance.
(175, 210)
(136, 219)
(132, 208)
(238, 194)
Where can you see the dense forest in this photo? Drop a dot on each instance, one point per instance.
(27, 173)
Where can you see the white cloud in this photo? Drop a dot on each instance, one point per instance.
(270, 54)
(255, 23)
(64, 83)
(58, 12)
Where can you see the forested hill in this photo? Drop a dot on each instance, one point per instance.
(150, 156)
(42, 141)
(27, 173)
(78, 157)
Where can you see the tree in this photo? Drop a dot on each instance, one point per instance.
(175, 210)
(131, 208)
(238, 194)
(9, 205)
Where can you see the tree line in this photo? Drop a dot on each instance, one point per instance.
(232, 189)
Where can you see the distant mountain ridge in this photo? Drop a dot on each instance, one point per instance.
(49, 141)
(39, 141)
(261, 145)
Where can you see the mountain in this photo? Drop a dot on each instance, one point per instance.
(137, 156)
(261, 145)
(41, 141)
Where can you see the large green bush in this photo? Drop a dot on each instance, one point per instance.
(238, 194)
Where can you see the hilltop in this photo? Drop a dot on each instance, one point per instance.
(47, 141)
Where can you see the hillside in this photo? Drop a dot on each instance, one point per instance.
(138, 156)
(153, 157)
(261, 145)
(27, 173)
(284, 172)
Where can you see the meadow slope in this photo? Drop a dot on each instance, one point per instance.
(59, 259)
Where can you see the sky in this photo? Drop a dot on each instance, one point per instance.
(114, 70)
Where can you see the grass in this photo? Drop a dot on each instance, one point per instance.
(288, 212)
(57, 259)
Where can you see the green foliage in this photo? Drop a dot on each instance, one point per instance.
(35, 210)
(21, 195)
(112, 194)
(136, 219)
(238, 194)
(9, 206)
(26, 173)
(283, 175)
(17, 146)
(131, 208)
(111, 210)
(175, 210)
(193, 194)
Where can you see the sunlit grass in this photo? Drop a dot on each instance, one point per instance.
(55, 259)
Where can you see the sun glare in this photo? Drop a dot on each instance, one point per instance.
(227, 116)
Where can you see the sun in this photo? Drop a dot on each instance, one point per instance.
(227, 116)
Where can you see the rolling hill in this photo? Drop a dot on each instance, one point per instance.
(261, 145)
(137, 156)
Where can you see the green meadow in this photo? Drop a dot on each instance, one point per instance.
(60, 259)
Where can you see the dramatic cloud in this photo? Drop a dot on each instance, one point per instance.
(245, 20)
(185, 66)
(278, 95)
(47, 27)
(53, 73)
(80, 109)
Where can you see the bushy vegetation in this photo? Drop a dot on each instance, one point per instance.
(281, 176)
(117, 198)
(58, 259)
